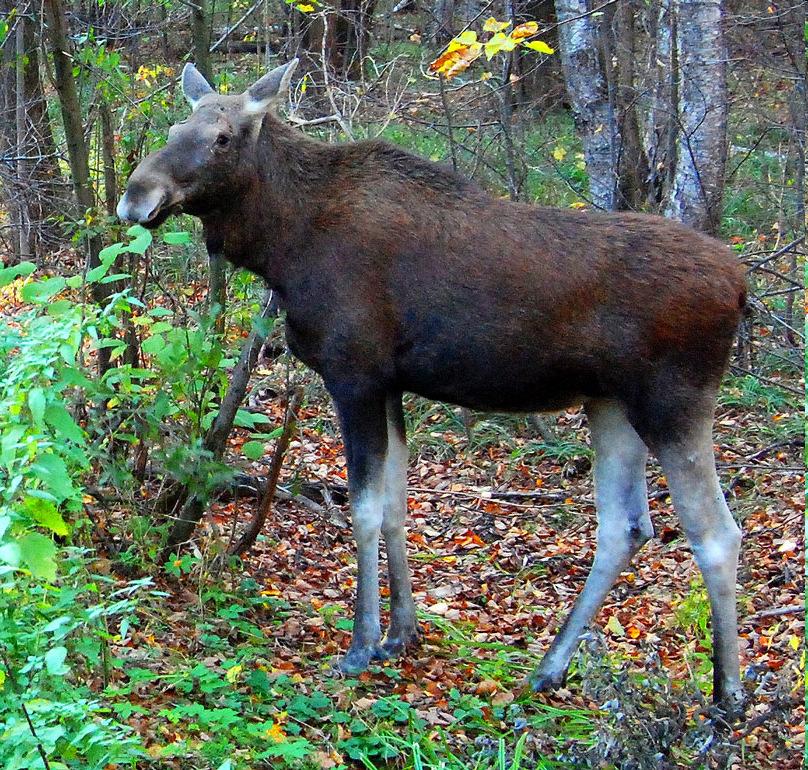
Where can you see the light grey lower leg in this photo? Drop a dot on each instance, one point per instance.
(623, 526)
(715, 539)
(403, 627)
(366, 514)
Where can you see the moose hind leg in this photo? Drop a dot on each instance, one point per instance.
(689, 465)
(624, 525)
(403, 628)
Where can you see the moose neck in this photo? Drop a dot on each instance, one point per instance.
(265, 227)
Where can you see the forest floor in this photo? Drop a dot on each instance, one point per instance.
(494, 576)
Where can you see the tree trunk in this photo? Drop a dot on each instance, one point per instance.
(217, 288)
(347, 31)
(46, 195)
(108, 156)
(701, 152)
(23, 210)
(77, 150)
(8, 130)
(440, 21)
(659, 136)
(200, 32)
(579, 37)
(632, 162)
(793, 34)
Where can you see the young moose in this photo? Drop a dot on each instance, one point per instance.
(397, 275)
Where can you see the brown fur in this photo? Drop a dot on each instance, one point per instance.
(403, 276)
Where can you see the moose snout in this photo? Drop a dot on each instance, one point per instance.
(142, 205)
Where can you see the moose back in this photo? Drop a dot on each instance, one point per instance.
(399, 276)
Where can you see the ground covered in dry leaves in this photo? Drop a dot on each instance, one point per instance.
(501, 537)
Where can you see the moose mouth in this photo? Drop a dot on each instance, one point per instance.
(158, 216)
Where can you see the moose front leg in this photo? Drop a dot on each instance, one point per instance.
(364, 430)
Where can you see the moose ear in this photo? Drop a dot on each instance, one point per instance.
(270, 89)
(194, 85)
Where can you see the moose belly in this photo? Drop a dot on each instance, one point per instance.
(514, 378)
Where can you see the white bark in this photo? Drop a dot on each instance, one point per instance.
(698, 182)
(579, 39)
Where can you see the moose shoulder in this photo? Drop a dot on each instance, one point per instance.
(399, 276)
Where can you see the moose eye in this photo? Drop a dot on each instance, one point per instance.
(222, 140)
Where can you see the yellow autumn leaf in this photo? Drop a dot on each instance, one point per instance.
(578, 205)
(276, 733)
(499, 42)
(456, 58)
(559, 153)
(492, 25)
(538, 45)
(305, 8)
(232, 673)
(614, 626)
(794, 641)
(525, 30)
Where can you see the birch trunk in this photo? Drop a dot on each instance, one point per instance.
(701, 152)
(587, 87)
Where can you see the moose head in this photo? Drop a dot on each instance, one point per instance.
(208, 156)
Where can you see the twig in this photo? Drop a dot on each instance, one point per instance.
(787, 388)
(789, 609)
(756, 467)
(494, 495)
(778, 445)
(450, 131)
(13, 683)
(230, 30)
(281, 493)
(777, 705)
(778, 253)
(293, 118)
(254, 528)
(252, 486)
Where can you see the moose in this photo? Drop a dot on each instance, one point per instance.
(399, 276)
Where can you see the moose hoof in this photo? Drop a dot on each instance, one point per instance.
(357, 659)
(546, 681)
(732, 704)
(394, 646)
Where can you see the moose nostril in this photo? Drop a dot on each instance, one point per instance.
(156, 208)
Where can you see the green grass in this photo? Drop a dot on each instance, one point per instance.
(224, 703)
